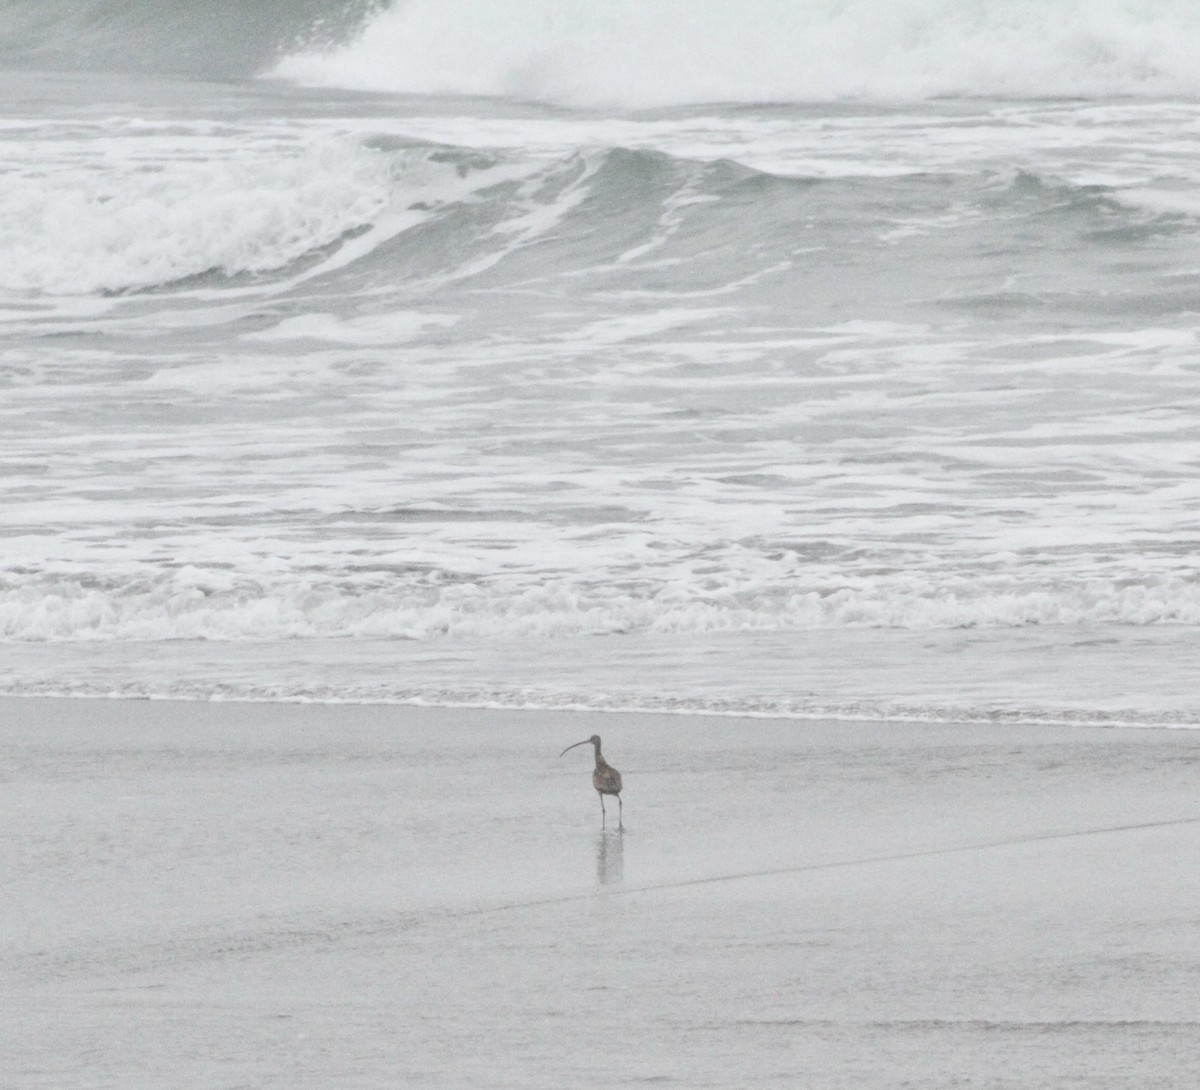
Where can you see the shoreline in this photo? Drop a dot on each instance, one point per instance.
(985, 720)
(1048, 678)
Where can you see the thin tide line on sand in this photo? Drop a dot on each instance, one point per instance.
(981, 1025)
(383, 929)
(380, 929)
(836, 864)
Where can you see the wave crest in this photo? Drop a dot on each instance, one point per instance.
(135, 225)
(82, 230)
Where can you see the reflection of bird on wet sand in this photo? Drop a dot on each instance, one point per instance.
(610, 861)
(606, 779)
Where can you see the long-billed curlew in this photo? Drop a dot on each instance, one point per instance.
(606, 779)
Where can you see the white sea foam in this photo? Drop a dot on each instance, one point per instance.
(567, 382)
(215, 604)
(641, 53)
(380, 329)
(106, 227)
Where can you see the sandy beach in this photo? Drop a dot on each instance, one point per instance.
(269, 895)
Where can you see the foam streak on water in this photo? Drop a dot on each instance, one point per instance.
(481, 382)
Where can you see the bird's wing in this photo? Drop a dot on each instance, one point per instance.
(608, 781)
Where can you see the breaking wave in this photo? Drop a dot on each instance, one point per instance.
(288, 210)
(633, 53)
(655, 53)
(81, 231)
(435, 214)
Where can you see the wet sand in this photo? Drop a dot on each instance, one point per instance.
(302, 896)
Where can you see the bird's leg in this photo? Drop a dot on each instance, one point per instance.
(620, 813)
(603, 815)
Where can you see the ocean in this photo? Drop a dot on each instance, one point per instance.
(815, 359)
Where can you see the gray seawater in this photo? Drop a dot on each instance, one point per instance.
(837, 408)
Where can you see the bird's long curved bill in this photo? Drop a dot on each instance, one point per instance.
(583, 743)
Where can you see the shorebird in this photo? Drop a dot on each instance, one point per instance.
(606, 779)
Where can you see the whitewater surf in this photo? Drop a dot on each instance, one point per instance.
(833, 358)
